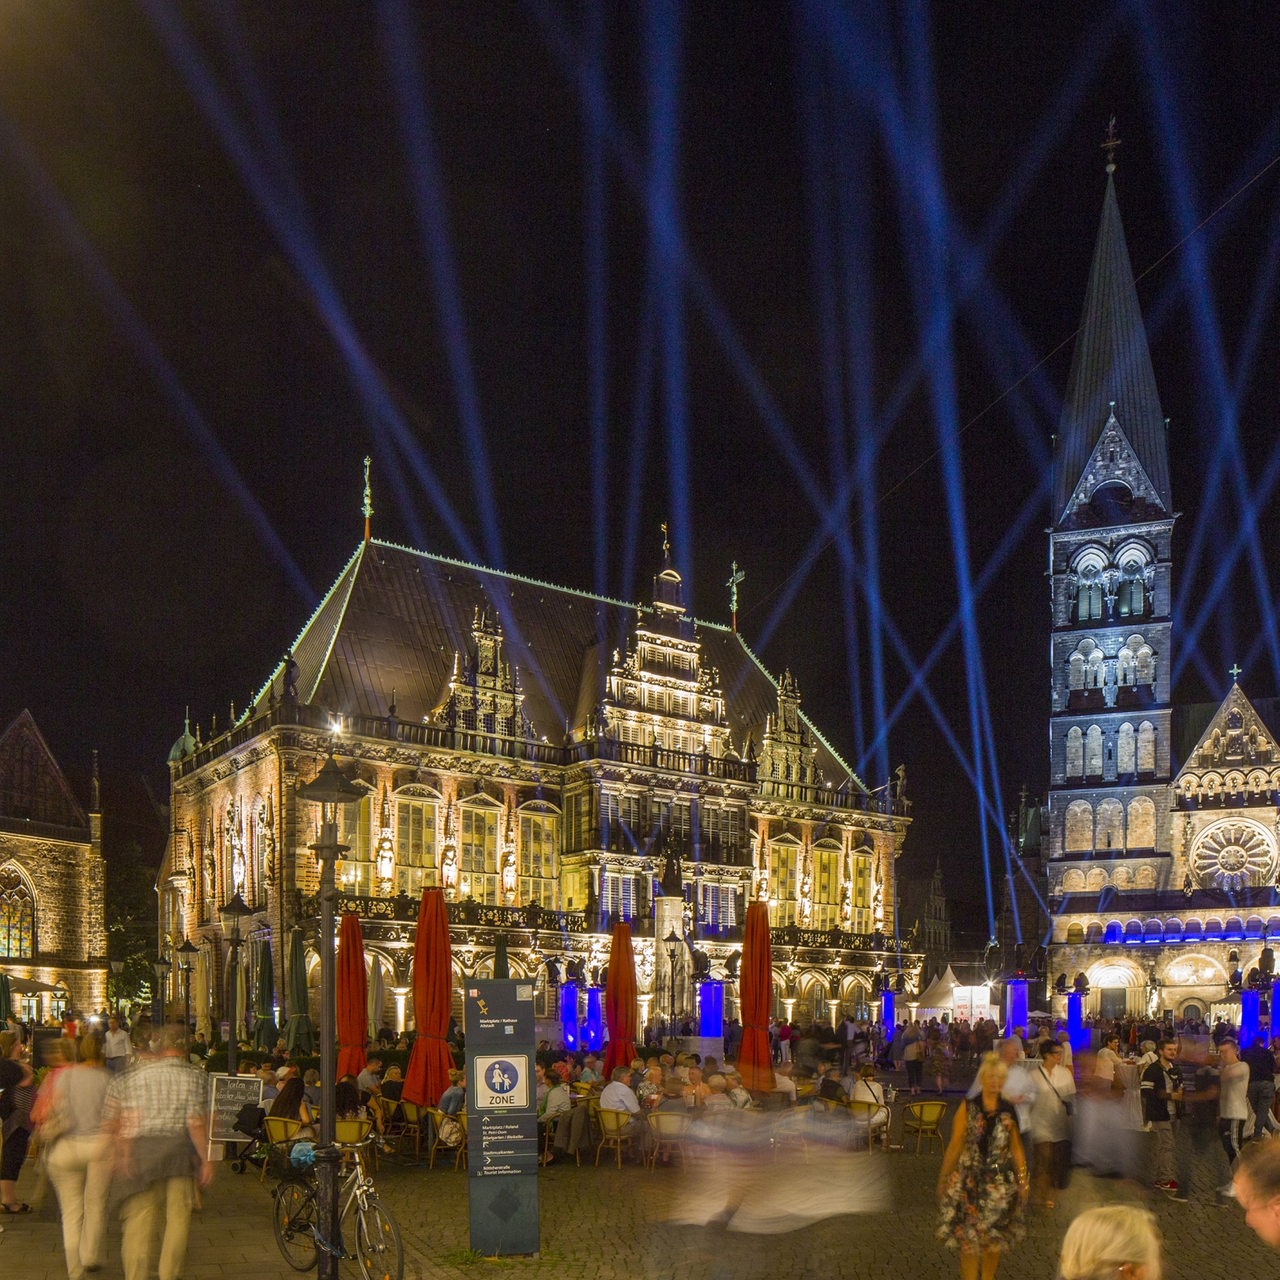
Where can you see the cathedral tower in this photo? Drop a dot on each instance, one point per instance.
(1111, 572)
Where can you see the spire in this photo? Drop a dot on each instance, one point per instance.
(736, 575)
(367, 505)
(1112, 362)
(95, 787)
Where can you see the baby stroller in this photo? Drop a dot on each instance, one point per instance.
(249, 1121)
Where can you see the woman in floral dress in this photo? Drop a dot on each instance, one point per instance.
(983, 1184)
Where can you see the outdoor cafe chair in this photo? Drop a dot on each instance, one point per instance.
(411, 1125)
(459, 1147)
(670, 1131)
(614, 1132)
(350, 1133)
(923, 1119)
(864, 1114)
(281, 1133)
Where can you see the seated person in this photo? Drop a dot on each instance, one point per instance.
(696, 1089)
(556, 1102)
(784, 1082)
(736, 1093)
(591, 1073)
(392, 1083)
(673, 1098)
(291, 1104)
(718, 1094)
(311, 1087)
(867, 1089)
(618, 1095)
(830, 1086)
(370, 1079)
(267, 1074)
(649, 1090)
(454, 1098)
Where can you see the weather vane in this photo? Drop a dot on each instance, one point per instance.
(736, 575)
(666, 546)
(367, 505)
(1110, 143)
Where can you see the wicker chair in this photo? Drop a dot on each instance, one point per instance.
(281, 1135)
(670, 1132)
(923, 1119)
(615, 1132)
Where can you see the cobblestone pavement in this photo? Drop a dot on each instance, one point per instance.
(605, 1223)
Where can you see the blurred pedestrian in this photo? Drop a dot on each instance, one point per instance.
(156, 1117)
(19, 1093)
(78, 1157)
(1257, 1188)
(1115, 1241)
(983, 1185)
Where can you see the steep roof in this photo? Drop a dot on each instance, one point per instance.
(394, 618)
(1112, 362)
(33, 787)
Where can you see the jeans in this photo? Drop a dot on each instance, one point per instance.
(1231, 1133)
(1261, 1095)
(1165, 1169)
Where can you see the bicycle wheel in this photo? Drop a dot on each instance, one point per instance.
(294, 1220)
(378, 1247)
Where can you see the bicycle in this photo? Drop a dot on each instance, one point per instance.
(378, 1248)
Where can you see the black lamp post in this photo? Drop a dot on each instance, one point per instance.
(161, 967)
(328, 789)
(672, 944)
(117, 971)
(231, 914)
(188, 951)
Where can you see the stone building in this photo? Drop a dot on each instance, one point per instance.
(923, 908)
(1161, 872)
(52, 920)
(556, 761)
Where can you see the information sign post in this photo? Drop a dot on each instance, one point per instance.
(502, 1117)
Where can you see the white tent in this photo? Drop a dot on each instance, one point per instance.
(939, 995)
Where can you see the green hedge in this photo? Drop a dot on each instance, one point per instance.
(217, 1061)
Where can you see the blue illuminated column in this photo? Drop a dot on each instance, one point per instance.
(1249, 1017)
(1076, 1030)
(569, 1015)
(1015, 1004)
(593, 1027)
(887, 1002)
(711, 1010)
(1275, 1008)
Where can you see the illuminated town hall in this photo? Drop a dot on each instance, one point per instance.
(557, 762)
(1162, 820)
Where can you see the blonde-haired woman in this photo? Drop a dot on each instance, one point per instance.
(1116, 1241)
(983, 1184)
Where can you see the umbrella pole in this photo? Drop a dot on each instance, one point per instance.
(327, 1156)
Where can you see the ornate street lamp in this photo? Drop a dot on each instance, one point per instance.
(188, 951)
(161, 966)
(231, 914)
(672, 943)
(328, 789)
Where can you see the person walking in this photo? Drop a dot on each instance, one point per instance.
(155, 1115)
(1233, 1105)
(1262, 1086)
(77, 1159)
(983, 1185)
(1161, 1092)
(1051, 1123)
(1115, 1242)
(118, 1048)
(19, 1095)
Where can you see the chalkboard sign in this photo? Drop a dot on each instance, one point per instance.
(229, 1094)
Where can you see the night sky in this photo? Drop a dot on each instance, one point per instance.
(232, 263)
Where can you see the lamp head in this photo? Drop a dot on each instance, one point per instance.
(231, 914)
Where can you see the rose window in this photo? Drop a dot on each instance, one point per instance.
(1234, 856)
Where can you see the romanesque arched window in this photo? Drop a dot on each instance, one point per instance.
(1146, 747)
(1089, 595)
(1142, 823)
(1079, 827)
(17, 916)
(1126, 750)
(1075, 753)
(1093, 752)
(1110, 831)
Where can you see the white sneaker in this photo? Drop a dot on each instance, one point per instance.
(1228, 1189)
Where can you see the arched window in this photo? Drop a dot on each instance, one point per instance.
(1079, 827)
(1125, 668)
(1144, 662)
(478, 852)
(1093, 752)
(1146, 747)
(17, 917)
(416, 830)
(1142, 823)
(1131, 596)
(1073, 881)
(1126, 754)
(1096, 880)
(1075, 752)
(1075, 671)
(1089, 595)
(1075, 933)
(539, 855)
(1114, 932)
(1110, 825)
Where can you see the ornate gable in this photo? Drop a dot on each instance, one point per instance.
(32, 786)
(1113, 461)
(1236, 739)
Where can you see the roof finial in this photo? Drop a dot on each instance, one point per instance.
(666, 545)
(1234, 672)
(367, 505)
(736, 575)
(1110, 143)
(95, 787)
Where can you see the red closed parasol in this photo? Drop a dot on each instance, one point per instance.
(755, 983)
(353, 998)
(620, 1001)
(431, 1060)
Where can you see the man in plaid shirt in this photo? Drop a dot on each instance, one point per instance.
(156, 1112)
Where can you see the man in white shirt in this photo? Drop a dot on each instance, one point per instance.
(1233, 1104)
(1020, 1085)
(1108, 1059)
(618, 1095)
(116, 1046)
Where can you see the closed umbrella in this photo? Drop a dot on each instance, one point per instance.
(501, 962)
(755, 979)
(6, 1000)
(242, 995)
(377, 998)
(620, 1001)
(353, 998)
(265, 1031)
(300, 1035)
(431, 1061)
(201, 990)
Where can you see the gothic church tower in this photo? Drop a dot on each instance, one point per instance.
(1111, 572)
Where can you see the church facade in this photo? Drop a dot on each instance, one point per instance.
(1160, 828)
(53, 939)
(556, 762)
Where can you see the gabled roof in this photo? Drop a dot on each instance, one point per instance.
(33, 787)
(393, 620)
(1111, 363)
(1246, 738)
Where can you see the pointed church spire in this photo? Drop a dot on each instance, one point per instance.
(366, 506)
(1112, 362)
